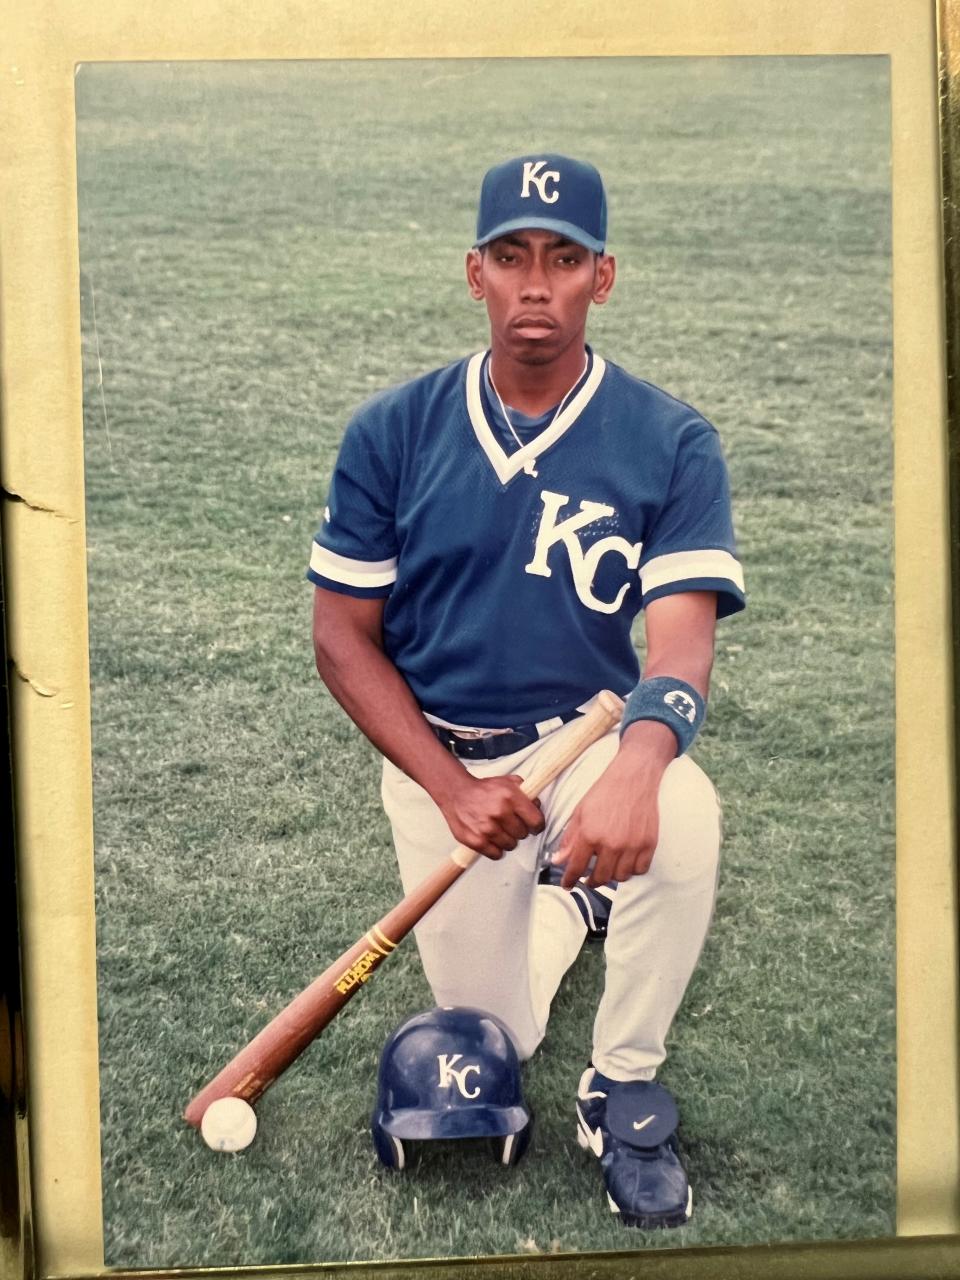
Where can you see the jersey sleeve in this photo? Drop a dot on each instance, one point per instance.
(691, 546)
(355, 550)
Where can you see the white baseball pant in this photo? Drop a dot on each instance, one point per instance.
(498, 941)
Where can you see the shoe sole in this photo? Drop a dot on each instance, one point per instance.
(644, 1221)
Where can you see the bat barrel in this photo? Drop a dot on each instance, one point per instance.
(282, 1040)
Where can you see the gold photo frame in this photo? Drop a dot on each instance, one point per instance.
(50, 1142)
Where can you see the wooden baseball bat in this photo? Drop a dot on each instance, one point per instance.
(283, 1039)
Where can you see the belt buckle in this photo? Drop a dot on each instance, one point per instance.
(476, 735)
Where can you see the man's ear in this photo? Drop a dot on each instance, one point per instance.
(474, 267)
(604, 276)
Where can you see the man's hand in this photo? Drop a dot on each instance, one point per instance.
(490, 815)
(618, 820)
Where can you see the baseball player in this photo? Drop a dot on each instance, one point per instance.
(492, 530)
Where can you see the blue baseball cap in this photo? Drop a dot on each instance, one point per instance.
(544, 191)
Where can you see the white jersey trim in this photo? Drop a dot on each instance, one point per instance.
(678, 566)
(352, 573)
(508, 465)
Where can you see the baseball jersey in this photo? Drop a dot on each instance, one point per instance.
(512, 570)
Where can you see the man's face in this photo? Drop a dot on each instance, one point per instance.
(538, 287)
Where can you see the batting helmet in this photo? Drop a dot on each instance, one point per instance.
(450, 1073)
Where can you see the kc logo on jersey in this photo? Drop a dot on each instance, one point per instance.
(532, 173)
(450, 1075)
(583, 564)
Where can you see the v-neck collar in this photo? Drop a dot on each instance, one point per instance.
(508, 465)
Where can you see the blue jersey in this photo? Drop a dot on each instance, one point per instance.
(512, 575)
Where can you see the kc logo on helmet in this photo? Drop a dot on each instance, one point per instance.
(450, 1075)
(532, 174)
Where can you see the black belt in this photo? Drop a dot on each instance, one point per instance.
(493, 743)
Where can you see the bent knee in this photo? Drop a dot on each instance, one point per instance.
(688, 849)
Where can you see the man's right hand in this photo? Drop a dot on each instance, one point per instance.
(490, 815)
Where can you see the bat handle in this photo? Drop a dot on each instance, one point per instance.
(592, 725)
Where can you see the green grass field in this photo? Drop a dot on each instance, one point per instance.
(263, 246)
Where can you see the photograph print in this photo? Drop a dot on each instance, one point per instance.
(488, 487)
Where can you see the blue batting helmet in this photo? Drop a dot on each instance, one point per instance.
(450, 1073)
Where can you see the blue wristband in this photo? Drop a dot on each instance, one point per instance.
(671, 701)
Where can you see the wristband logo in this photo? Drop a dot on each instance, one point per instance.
(683, 705)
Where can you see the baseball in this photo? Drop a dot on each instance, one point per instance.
(229, 1124)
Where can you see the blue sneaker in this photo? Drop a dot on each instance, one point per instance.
(632, 1129)
(594, 904)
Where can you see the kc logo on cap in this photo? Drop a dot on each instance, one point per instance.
(544, 192)
(532, 174)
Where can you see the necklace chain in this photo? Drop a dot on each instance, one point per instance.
(554, 415)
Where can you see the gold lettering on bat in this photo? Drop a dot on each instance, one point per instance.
(359, 971)
(373, 937)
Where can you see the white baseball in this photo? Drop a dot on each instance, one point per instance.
(229, 1124)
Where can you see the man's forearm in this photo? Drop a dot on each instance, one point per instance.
(491, 814)
(680, 645)
(617, 822)
(379, 701)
